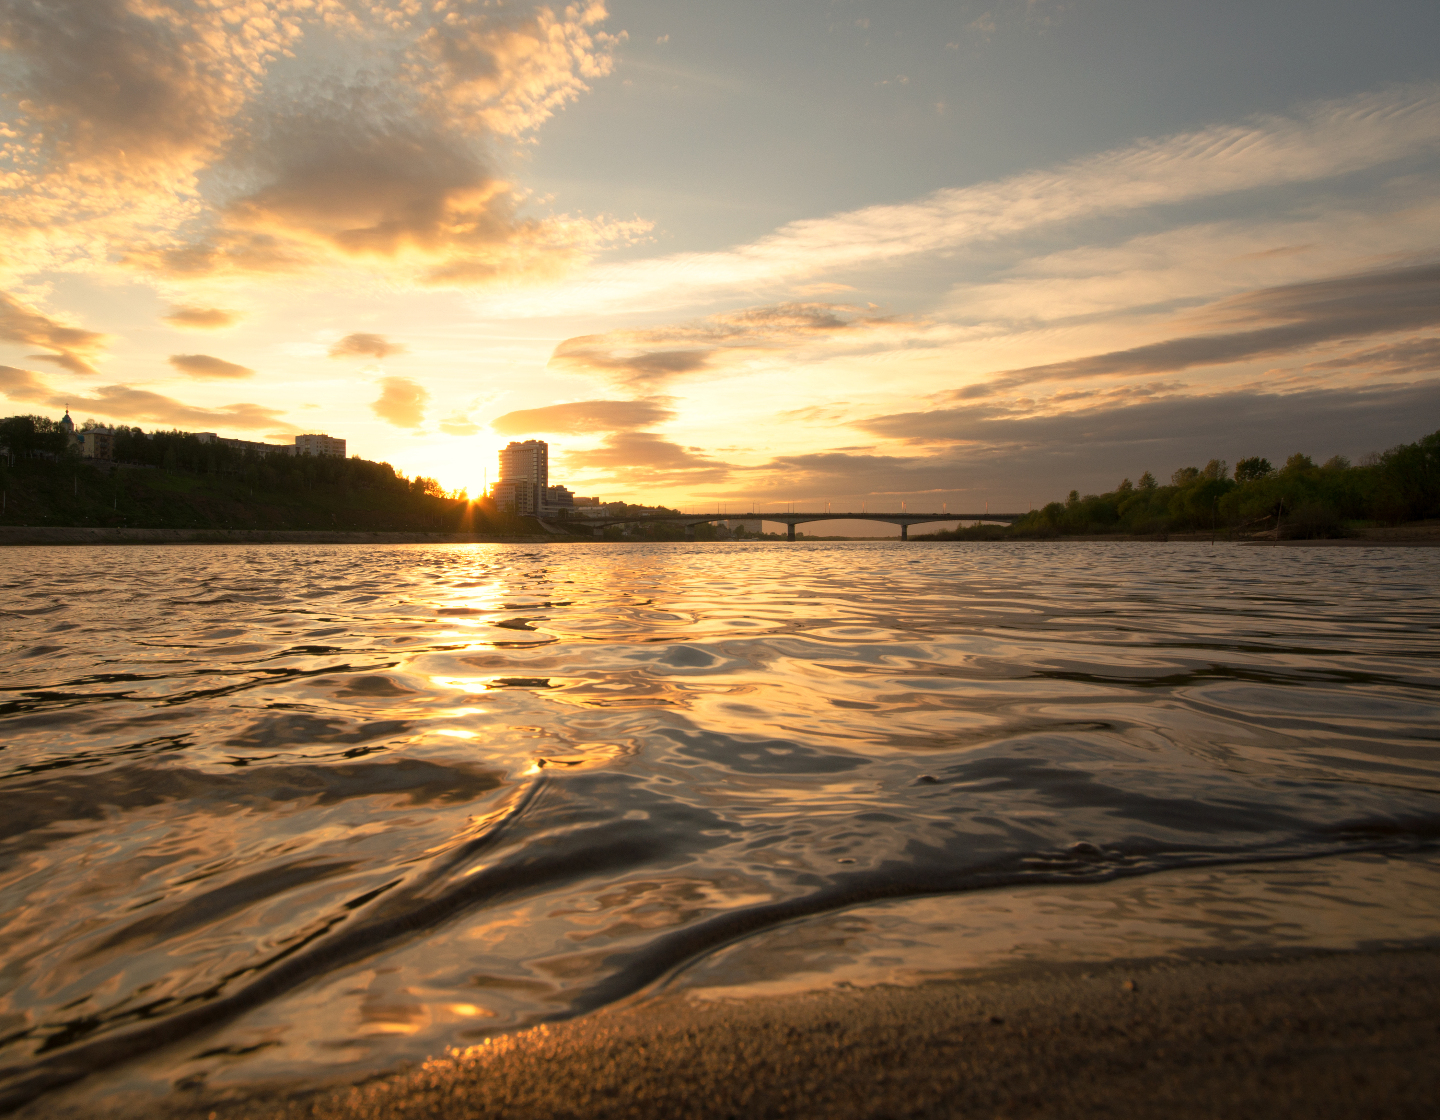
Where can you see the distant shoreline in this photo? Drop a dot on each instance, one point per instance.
(58, 534)
(1423, 536)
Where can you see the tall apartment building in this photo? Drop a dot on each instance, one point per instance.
(319, 445)
(524, 476)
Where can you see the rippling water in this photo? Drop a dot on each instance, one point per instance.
(305, 809)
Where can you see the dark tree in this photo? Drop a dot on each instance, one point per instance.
(1248, 470)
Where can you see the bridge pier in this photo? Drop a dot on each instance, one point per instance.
(904, 532)
(689, 532)
(790, 531)
(599, 532)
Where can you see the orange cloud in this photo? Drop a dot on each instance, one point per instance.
(120, 107)
(117, 106)
(643, 458)
(28, 327)
(120, 402)
(505, 72)
(203, 365)
(584, 416)
(361, 345)
(202, 318)
(402, 402)
(650, 356)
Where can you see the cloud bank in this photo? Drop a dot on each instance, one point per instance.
(161, 134)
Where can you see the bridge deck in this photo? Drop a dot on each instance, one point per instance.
(792, 518)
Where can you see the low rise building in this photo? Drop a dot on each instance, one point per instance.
(93, 442)
(97, 443)
(319, 444)
(246, 444)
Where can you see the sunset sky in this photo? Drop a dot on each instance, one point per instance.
(766, 253)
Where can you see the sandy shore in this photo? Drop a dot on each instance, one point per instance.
(1335, 1035)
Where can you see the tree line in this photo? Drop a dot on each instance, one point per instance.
(40, 438)
(1298, 498)
(165, 479)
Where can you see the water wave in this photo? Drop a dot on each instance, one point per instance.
(276, 810)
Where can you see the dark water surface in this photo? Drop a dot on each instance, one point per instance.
(308, 809)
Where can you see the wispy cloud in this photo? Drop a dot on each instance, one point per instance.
(202, 318)
(638, 358)
(576, 417)
(1302, 316)
(1329, 139)
(71, 346)
(361, 345)
(203, 365)
(119, 402)
(1229, 421)
(646, 459)
(458, 424)
(1394, 359)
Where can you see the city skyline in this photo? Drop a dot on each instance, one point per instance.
(846, 253)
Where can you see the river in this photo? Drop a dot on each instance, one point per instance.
(284, 812)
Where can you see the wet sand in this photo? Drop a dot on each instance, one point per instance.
(1334, 1035)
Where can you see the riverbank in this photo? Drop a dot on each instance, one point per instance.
(1425, 534)
(55, 534)
(1333, 1035)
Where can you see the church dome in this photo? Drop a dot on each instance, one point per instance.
(67, 423)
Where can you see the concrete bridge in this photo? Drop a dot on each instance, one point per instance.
(790, 520)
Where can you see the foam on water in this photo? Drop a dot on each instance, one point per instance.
(283, 811)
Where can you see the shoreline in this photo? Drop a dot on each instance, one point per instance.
(81, 535)
(1338, 1034)
(1426, 536)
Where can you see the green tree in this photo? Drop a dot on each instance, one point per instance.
(1248, 470)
